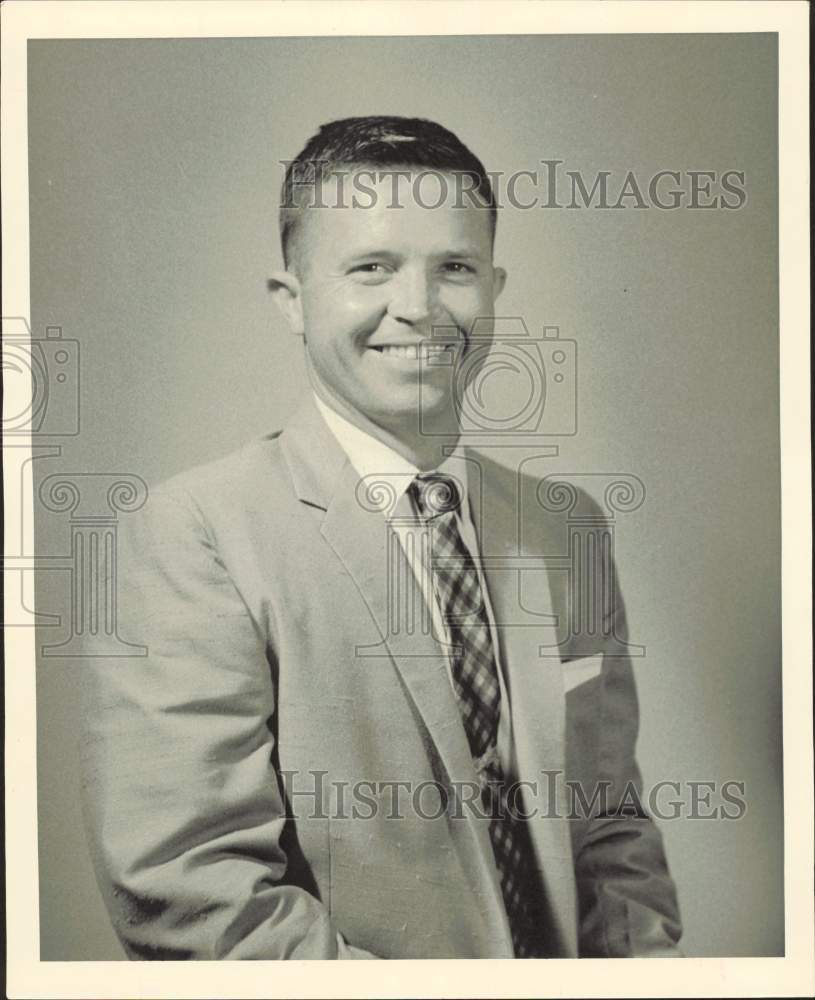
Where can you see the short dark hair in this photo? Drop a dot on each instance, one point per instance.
(382, 141)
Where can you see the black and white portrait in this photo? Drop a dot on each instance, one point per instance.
(403, 566)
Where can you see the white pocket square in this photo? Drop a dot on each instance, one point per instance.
(577, 672)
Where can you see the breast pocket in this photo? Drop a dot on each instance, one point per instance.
(581, 670)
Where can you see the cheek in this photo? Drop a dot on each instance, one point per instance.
(468, 303)
(343, 309)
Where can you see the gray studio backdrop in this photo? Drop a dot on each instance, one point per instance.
(154, 173)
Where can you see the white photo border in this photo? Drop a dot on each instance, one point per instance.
(791, 975)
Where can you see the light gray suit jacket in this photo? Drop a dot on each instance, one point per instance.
(213, 766)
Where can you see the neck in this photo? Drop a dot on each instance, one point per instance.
(425, 451)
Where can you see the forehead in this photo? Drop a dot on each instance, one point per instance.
(402, 210)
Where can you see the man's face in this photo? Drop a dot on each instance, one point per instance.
(376, 282)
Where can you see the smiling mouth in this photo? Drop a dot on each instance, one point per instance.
(413, 352)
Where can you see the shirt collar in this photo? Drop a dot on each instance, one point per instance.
(371, 457)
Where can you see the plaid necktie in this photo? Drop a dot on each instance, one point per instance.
(478, 692)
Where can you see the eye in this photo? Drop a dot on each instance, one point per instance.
(458, 268)
(370, 271)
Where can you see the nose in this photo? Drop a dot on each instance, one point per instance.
(412, 299)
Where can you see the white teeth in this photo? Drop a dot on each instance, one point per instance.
(403, 351)
(412, 352)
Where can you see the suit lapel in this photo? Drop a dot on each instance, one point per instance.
(359, 534)
(370, 552)
(357, 531)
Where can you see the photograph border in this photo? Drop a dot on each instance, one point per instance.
(791, 975)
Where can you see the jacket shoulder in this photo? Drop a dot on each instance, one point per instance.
(232, 481)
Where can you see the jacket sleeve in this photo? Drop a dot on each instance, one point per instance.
(626, 898)
(182, 803)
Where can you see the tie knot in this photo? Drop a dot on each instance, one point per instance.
(435, 494)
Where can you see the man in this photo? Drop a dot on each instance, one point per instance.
(343, 741)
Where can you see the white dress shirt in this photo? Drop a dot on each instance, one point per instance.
(371, 458)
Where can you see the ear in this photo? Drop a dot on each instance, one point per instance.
(499, 279)
(287, 294)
